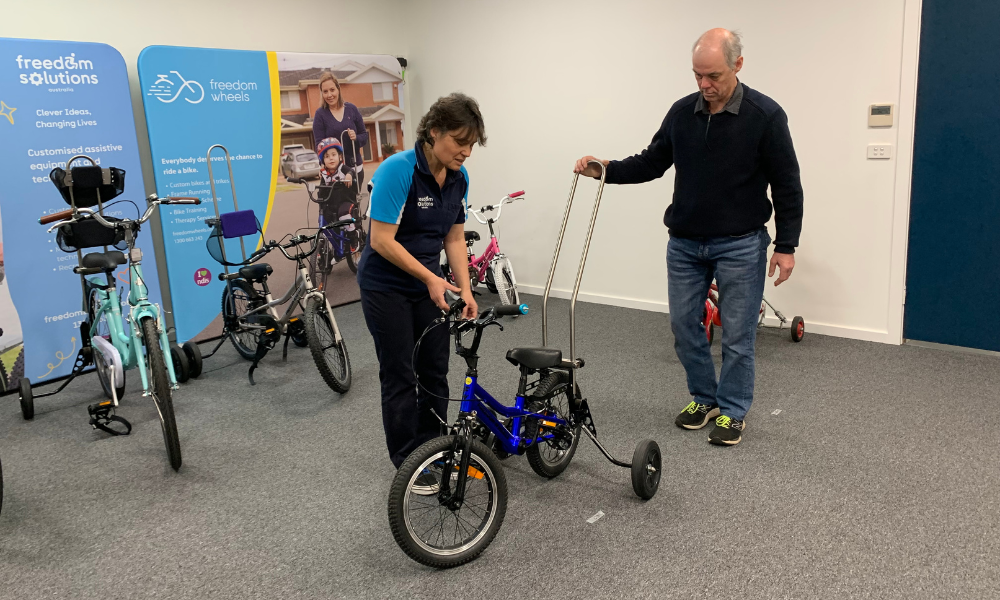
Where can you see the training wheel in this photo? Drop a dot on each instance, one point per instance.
(182, 370)
(646, 469)
(194, 358)
(27, 400)
(798, 329)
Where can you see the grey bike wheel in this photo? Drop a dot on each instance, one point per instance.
(159, 382)
(331, 357)
(237, 299)
(436, 535)
(504, 282)
(101, 328)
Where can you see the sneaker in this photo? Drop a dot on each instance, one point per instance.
(426, 484)
(727, 432)
(696, 416)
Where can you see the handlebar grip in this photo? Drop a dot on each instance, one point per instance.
(516, 194)
(511, 310)
(180, 200)
(59, 216)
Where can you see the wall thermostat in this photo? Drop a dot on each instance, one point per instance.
(880, 115)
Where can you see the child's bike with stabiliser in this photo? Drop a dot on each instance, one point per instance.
(113, 342)
(449, 497)
(492, 267)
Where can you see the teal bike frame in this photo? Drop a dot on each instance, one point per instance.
(128, 339)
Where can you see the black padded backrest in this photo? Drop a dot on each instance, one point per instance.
(81, 185)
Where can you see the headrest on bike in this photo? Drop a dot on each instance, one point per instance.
(328, 144)
(82, 185)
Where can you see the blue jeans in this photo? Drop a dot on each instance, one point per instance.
(738, 264)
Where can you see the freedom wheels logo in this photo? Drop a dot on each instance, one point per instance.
(166, 90)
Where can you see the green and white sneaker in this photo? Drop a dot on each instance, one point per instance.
(696, 416)
(727, 432)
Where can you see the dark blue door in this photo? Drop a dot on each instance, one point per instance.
(953, 260)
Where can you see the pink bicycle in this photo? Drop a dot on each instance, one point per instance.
(491, 267)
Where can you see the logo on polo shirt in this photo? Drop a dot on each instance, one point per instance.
(425, 202)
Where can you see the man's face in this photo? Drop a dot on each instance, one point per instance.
(716, 81)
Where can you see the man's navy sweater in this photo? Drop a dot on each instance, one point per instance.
(724, 164)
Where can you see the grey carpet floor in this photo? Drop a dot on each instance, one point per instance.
(878, 478)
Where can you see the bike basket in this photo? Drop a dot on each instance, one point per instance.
(231, 225)
(82, 185)
(88, 233)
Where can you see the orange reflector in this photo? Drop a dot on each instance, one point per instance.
(548, 423)
(269, 330)
(105, 403)
(474, 472)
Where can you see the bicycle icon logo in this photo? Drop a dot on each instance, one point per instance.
(164, 91)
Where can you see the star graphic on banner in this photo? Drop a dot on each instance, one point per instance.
(7, 111)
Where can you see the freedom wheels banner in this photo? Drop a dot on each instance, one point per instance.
(57, 100)
(270, 111)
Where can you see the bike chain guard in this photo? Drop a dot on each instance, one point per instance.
(267, 340)
(112, 357)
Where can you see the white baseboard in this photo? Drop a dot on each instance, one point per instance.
(854, 333)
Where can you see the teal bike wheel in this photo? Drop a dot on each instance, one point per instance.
(159, 386)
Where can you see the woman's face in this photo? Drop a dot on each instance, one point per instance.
(451, 149)
(330, 92)
(331, 160)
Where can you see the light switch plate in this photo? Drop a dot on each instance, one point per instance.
(879, 151)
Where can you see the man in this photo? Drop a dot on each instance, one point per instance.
(727, 143)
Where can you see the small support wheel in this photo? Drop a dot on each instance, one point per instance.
(646, 469)
(27, 400)
(182, 369)
(798, 329)
(194, 358)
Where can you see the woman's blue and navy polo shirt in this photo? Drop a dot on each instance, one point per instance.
(405, 193)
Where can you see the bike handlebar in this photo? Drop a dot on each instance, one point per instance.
(498, 207)
(151, 201)
(295, 240)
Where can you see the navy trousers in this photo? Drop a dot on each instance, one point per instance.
(396, 321)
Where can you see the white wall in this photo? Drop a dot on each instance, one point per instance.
(557, 80)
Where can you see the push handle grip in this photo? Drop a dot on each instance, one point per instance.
(516, 194)
(180, 200)
(511, 310)
(59, 216)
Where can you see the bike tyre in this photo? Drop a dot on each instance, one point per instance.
(160, 389)
(244, 341)
(321, 339)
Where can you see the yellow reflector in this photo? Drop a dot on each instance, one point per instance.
(468, 381)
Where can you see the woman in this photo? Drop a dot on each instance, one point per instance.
(418, 200)
(335, 117)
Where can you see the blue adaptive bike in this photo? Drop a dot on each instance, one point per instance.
(449, 497)
(112, 346)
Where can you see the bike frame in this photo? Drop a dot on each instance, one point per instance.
(337, 239)
(492, 252)
(475, 399)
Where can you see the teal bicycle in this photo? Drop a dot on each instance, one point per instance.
(113, 342)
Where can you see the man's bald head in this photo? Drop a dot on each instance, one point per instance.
(722, 41)
(716, 59)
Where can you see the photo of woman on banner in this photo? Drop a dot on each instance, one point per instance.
(336, 192)
(336, 117)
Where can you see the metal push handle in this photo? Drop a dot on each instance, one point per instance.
(583, 261)
(215, 200)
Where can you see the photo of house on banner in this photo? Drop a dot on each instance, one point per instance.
(341, 116)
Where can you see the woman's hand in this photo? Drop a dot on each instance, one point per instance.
(471, 308)
(351, 134)
(436, 287)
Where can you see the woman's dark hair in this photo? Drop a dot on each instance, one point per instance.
(454, 113)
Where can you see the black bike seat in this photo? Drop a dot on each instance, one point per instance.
(472, 236)
(535, 358)
(103, 260)
(257, 272)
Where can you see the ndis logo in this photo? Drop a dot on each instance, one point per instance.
(202, 277)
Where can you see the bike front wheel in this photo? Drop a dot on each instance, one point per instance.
(431, 528)
(321, 262)
(159, 383)
(504, 282)
(330, 355)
